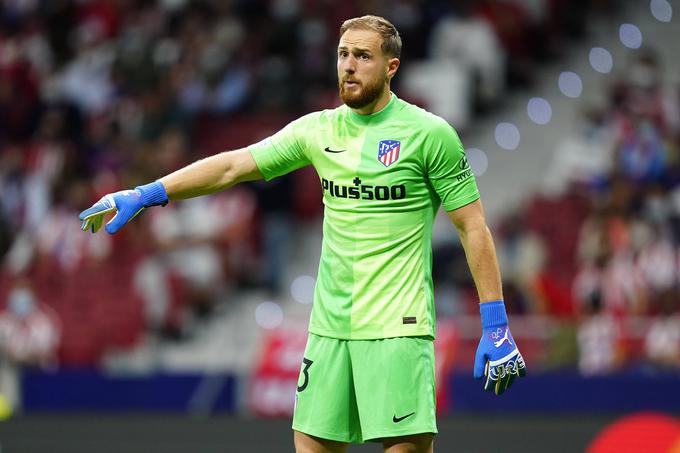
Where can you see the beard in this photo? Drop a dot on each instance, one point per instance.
(366, 94)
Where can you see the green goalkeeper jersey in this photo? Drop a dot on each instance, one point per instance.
(383, 178)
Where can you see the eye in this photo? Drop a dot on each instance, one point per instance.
(342, 54)
(365, 56)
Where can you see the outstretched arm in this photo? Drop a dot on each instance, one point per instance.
(203, 177)
(497, 357)
(210, 175)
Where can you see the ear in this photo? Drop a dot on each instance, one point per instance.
(392, 66)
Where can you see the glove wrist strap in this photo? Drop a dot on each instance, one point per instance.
(493, 314)
(153, 194)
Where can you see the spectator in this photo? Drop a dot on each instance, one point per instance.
(202, 242)
(662, 341)
(522, 257)
(469, 40)
(599, 339)
(656, 261)
(58, 242)
(29, 336)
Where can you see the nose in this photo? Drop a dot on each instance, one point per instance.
(348, 65)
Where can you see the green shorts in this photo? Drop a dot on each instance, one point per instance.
(360, 390)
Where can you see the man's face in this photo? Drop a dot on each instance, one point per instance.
(362, 68)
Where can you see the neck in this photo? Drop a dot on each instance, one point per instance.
(376, 105)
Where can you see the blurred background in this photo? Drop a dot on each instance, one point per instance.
(185, 331)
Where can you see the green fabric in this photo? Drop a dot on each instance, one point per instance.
(375, 269)
(354, 390)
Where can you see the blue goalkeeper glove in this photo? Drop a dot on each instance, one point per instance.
(497, 355)
(126, 203)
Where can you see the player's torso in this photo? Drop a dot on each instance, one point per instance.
(377, 224)
(370, 168)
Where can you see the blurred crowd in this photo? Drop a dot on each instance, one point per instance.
(99, 95)
(601, 251)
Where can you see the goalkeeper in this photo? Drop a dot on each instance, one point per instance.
(385, 167)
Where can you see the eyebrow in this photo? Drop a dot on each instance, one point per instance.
(355, 49)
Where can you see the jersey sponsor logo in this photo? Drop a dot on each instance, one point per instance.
(360, 191)
(396, 419)
(388, 151)
(409, 320)
(464, 165)
(328, 150)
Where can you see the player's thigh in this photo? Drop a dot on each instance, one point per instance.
(304, 443)
(416, 443)
(325, 405)
(395, 386)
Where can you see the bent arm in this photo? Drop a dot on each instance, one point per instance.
(480, 251)
(210, 175)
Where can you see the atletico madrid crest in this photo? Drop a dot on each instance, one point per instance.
(388, 151)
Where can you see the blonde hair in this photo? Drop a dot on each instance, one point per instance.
(391, 41)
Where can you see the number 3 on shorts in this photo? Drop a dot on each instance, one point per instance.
(307, 363)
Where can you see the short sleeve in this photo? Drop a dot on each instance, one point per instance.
(283, 152)
(448, 169)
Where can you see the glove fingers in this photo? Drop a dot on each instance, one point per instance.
(85, 225)
(501, 377)
(521, 366)
(489, 383)
(498, 379)
(94, 216)
(500, 383)
(97, 208)
(499, 388)
(97, 223)
(101, 207)
(92, 223)
(503, 384)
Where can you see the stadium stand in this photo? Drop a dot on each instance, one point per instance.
(98, 95)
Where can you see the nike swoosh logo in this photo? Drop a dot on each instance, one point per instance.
(328, 150)
(396, 419)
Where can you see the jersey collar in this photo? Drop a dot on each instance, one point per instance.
(377, 116)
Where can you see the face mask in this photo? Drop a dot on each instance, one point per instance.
(21, 302)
